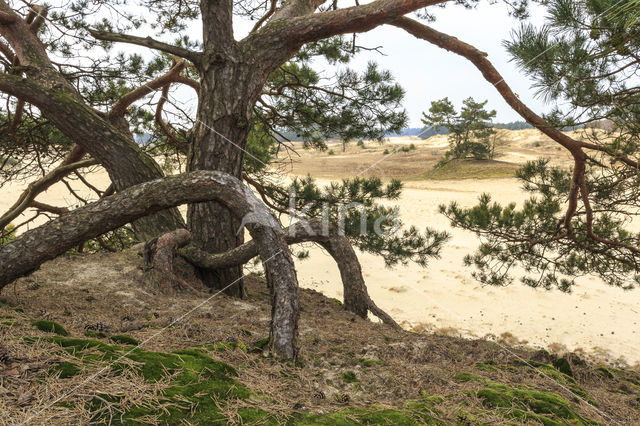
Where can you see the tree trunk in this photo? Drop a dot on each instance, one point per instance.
(228, 93)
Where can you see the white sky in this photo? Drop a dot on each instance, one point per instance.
(428, 73)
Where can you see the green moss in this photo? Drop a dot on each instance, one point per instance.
(467, 377)
(369, 362)
(337, 301)
(95, 334)
(349, 377)
(486, 366)
(64, 370)
(9, 323)
(259, 345)
(225, 346)
(124, 339)
(562, 365)
(50, 327)
(524, 404)
(417, 413)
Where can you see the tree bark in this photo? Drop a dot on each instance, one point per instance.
(230, 83)
(31, 249)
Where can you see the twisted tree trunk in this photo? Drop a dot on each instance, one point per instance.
(31, 249)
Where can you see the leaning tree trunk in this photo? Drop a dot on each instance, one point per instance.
(31, 249)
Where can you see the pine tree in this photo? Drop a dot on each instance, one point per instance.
(577, 221)
(470, 131)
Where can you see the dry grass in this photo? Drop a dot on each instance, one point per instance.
(390, 367)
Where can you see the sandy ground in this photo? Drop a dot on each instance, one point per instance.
(596, 319)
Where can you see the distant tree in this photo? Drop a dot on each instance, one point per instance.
(470, 131)
(513, 125)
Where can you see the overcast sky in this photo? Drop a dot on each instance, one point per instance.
(429, 73)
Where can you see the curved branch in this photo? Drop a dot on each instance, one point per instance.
(147, 42)
(298, 30)
(271, 11)
(180, 146)
(479, 59)
(31, 249)
(120, 107)
(7, 18)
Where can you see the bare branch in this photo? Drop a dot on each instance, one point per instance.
(26, 198)
(120, 107)
(148, 42)
(271, 11)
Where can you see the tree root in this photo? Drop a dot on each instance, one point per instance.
(159, 255)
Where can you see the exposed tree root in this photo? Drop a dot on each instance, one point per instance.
(159, 254)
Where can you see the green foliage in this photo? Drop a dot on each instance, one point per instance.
(330, 152)
(50, 327)
(470, 130)
(533, 237)
(350, 106)
(353, 205)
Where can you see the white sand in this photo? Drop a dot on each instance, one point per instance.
(596, 318)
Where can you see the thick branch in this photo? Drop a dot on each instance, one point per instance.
(34, 247)
(356, 296)
(148, 42)
(7, 18)
(299, 30)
